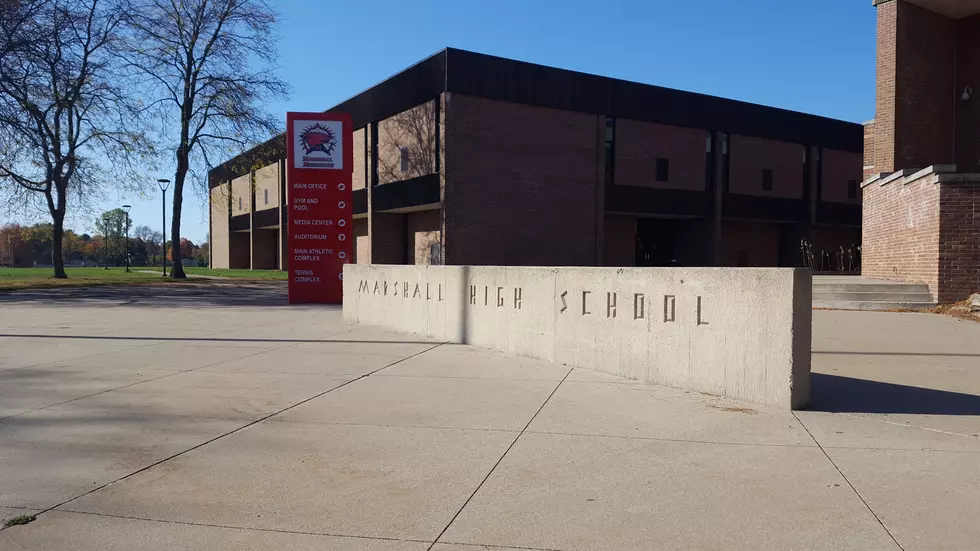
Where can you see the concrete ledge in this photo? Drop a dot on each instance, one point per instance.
(899, 175)
(929, 171)
(739, 333)
(874, 178)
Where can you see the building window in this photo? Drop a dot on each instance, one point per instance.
(240, 204)
(405, 162)
(726, 161)
(435, 254)
(663, 170)
(610, 150)
(767, 180)
(852, 189)
(709, 163)
(266, 197)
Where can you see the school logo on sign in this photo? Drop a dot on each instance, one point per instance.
(318, 144)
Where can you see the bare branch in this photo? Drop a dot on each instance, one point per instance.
(198, 56)
(61, 103)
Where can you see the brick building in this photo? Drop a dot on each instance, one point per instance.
(466, 158)
(922, 151)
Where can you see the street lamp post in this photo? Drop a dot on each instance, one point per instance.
(164, 184)
(126, 210)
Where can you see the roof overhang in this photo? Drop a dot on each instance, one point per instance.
(956, 9)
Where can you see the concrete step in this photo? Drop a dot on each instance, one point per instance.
(870, 296)
(870, 305)
(871, 287)
(855, 293)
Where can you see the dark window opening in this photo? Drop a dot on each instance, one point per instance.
(852, 189)
(610, 150)
(266, 197)
(767, 180)
(404, 159)
(663, 170)
(709, 166)
(240, 204)
(726, 162)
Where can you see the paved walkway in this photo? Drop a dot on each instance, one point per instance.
(148, 418)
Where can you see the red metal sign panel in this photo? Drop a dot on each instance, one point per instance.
(319, 165)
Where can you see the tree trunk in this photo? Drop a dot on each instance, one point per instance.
(56, 235)
(177, 271)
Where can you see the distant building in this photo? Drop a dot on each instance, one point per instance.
(466, 158)
(922, 150)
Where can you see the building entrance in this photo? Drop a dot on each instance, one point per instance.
(655, 242)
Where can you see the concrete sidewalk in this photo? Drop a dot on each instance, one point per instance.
(231, 424)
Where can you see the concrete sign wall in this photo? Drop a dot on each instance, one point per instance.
(743, 333)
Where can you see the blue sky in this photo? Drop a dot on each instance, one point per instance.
(816, 57)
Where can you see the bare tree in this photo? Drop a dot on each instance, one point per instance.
(408, 144)
(195, 59)
(62, 126)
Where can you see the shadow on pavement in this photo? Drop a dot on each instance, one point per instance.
(876, 353)
(837, 394)
(171, 295)
(207, 339)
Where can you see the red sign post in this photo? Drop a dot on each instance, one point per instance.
(319, 166)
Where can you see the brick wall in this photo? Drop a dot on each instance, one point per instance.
(267, 185)
(219, 226)
(868, 168)
(968, 112)
(839, 168)
(443, 171)
(523, 183)
(926, 50)
(750, 244)
(387, 233)
(900, 232)
(619, 247)
(959, 240)
(421, 233)
(885, 64)
(640, 144)
(750, 156)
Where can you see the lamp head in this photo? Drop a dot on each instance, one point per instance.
(126, 208)
(163, 183)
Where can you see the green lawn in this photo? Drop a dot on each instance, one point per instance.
(244, 274)
(34, 278)
(37, 278)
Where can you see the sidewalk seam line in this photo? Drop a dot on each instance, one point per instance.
(176, 372)
(233, 431)
(853, 489)
(675, 440)
(502, 456)
(230, 527)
